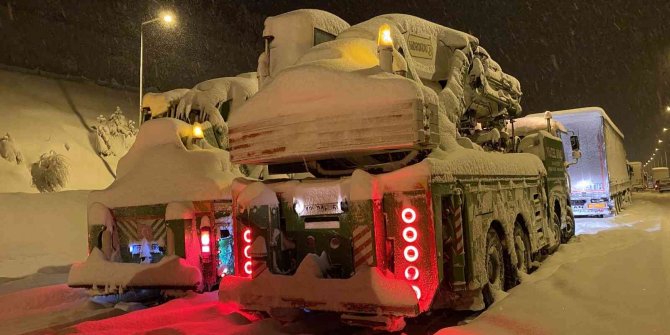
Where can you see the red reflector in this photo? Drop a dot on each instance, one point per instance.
(408, 215)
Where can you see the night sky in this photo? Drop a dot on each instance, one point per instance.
(566, 54)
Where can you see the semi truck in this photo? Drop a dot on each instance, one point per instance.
(600, 183)
(636, 177)
(661, 177)
(419, 198)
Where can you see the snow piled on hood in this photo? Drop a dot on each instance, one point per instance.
(160, 169)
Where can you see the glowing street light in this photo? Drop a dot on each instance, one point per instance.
(665, 129)
(667, 109)
(168, 19)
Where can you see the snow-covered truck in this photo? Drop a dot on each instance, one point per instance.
(165, 222)
(407, 214)
(207, 104)
(600, 184)
(636, 177)
(661, 178)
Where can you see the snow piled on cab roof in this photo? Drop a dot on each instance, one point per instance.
(160, 169)
(323, 20)
(533, 123)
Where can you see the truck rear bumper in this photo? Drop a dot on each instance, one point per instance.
(107, 277)
(368, 291)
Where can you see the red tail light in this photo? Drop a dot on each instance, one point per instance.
(247, 265)
(205, 241)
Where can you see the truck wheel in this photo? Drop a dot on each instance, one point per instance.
(522, 251)
(494, 266)
(555, 226)
(569, 231)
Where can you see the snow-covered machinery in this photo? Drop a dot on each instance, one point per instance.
(208, 104)
(636, 177)
(408, 213)
(165, 222)
(599, 182)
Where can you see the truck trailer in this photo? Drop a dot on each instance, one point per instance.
(419, 199)
(636, 177)
(661, 178)
(600, 183)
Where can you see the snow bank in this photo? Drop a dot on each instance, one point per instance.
(40, 230)
(195, 314)
(44, 114)
(613, 282)
(112, 276)
(160, 169)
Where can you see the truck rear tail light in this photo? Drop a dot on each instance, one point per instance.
(246, 248)
(247, 267)
(412, 273)
(205, 248)
(411, 253)
(408, 215)
(409, 234)
(417, 290)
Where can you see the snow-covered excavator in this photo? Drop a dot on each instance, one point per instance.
(420, 201)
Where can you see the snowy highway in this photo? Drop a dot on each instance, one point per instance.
(610, 279)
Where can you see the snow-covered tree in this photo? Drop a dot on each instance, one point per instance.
(50, 172)
(9, 150)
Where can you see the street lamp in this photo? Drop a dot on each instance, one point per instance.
(660, 141)
(665, 129)
(168, 19)
(667, 109)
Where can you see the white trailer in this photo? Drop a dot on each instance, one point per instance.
(600, 184)
(636, 179)
(661, 176)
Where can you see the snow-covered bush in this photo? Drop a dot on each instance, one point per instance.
(114, 135)
(9, 150)
(50, 172)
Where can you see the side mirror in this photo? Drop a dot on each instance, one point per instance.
(574, 142)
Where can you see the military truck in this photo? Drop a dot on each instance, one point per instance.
(419, 200)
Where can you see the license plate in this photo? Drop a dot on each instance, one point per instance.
(598, 205)
(322, 225)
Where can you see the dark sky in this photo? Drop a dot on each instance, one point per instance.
(566, 54)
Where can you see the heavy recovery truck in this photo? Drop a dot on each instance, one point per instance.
(420, 200)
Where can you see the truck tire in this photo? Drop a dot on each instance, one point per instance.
(523, 257)
(555, 226)
(569, 231)
(494, 266)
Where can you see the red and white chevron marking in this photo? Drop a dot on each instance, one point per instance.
(362, 241)
(257, 267)
(458, 230)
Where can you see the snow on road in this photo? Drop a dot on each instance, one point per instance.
(41, 230)
(614, 278)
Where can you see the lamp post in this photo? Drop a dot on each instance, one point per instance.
(167, 18)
